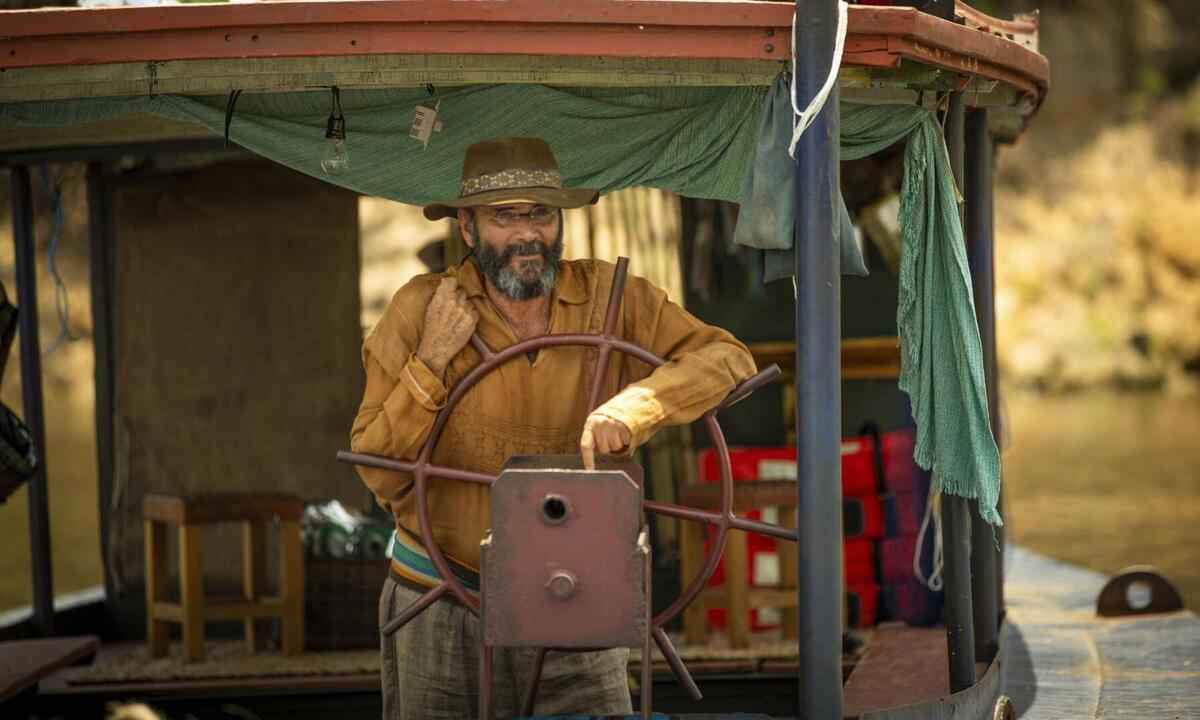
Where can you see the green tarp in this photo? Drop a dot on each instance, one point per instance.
(699, 142)
(694, 141)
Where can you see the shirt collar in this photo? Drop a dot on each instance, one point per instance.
(570, 288)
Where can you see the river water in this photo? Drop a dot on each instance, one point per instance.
(1107, 480)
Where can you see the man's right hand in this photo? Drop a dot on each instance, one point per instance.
(449, 322)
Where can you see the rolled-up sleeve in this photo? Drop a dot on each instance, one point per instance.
(704, 363)
(396, 414)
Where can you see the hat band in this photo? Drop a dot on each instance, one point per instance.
(509, 179)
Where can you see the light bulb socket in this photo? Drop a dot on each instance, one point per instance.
(335, 128)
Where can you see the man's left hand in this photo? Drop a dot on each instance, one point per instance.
(602, 434)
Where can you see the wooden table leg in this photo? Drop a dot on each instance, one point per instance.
(737, 585)
(191, 580)
(788, 572)
(691, 554)
(157, 631)
(254, 580)
(291, 587)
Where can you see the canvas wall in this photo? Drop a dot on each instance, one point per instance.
(236, 311)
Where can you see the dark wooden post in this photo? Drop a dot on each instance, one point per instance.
(818, 374)
(985, 558)
(956, 512)
(31, 396)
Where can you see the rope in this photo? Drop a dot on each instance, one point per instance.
(804, 118)
(933, 511)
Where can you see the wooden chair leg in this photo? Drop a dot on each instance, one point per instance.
(691, 550)
(254, 580)
(291, 587)
(788, 571)
(737, 586)
(191, 580)
(157, 631)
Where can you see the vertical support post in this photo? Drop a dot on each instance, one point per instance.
(978, 191)
(648, 641)
(101, 280)
(158, 638)
(191, 590)
(291, 587)
(956, 518)
(485, 650)
(819, 591)
(737, 589)
(254, 580)
(31, 397)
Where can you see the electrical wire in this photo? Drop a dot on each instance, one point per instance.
(62, 299)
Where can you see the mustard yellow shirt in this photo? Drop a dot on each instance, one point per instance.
(527, 407)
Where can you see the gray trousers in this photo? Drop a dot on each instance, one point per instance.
(430, 669)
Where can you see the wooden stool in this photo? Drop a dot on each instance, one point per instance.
(190, 514)
(736, 595)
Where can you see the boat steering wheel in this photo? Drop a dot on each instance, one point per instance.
(422, 470)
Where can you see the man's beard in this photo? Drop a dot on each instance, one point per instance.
(524, 282)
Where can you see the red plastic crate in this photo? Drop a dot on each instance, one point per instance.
(862, 605)
(896, 558)
(899, 469)
(858, 466)
(902, 513)
(860, 486)
(863, 517)
(910, 602)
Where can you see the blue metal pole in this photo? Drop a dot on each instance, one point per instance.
(31, 396)
(956, 513)
(818, 374)
(978, 191)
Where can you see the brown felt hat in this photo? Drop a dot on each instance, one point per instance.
(504, 171)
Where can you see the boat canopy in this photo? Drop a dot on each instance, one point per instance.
(686, 95)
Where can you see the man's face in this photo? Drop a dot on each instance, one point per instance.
(517, 247)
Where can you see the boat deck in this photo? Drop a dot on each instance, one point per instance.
(1060, 661)
(1065, 662)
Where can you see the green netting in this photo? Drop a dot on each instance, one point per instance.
(699, 142)
(693, 140)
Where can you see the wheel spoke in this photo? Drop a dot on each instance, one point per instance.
(750, 385)
(615, 294)
(456, 474)
(762, 528)
(415, 609)
(481, 347)
(681, 672)
(534, 681)
(598, 378)
(685, 513)
(611, 313)
(376, 461)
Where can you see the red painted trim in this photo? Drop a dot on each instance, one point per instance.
(927, 30)
(671, 13)
(732, 29)
(369, 39)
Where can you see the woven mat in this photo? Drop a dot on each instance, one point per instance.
(132, 663)
(125, 663)
(783, 650)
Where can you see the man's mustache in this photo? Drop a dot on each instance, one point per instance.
(533, 247)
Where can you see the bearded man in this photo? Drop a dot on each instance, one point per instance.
(513, 286)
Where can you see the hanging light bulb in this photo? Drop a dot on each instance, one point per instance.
(335, 158)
